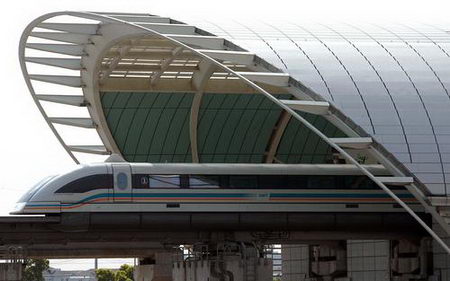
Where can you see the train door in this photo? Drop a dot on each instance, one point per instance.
(122, 183)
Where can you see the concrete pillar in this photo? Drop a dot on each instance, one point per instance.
(11, 271)
(328, 261)
(441, 260)
(227, 268)
(368, 260)
(295, 262)
(325, 262)
(157, 268)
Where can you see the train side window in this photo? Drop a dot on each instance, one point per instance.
(164, 181)
(321, 182)
(272, 181)
(88, 183)
(122, 181)
(224, 181)
(243, 181)
(207, 181)
(358, 182)
(140, 181)
(294, 181)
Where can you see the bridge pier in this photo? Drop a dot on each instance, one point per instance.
(230, 268)
(156, 268)
(441, 260)
(326, 261)
(363, 260)
(12, 271)
(224, 262)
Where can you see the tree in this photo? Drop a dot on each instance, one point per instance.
(105, 275)
(128, 269)
(125, 273)
(34, 268)
(122, 276)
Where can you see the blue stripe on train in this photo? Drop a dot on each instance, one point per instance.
(347, 195)
(225, 195)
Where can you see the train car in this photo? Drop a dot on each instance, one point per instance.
(145, 187)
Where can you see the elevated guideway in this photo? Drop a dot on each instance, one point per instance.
(141, 234)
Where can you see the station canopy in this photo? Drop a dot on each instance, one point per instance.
(153, 89)
(156, 90)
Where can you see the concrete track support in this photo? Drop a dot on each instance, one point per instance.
(11, 271)
(231, 268)
(328, 261)
(228, 261)
(363, 260)
(156, 268)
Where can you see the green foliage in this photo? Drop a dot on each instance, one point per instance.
(125, 273)
(105, 275)
(122, 276)
(34, 268)
(128, 270)
(361, 158)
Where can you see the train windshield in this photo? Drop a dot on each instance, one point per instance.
(27, 196)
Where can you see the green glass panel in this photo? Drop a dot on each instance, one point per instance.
(301, 145)
(154, 127)
(149, 127)
(135, 100)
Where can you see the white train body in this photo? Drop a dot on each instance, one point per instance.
(144, 187)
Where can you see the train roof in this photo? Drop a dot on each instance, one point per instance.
(258, 169)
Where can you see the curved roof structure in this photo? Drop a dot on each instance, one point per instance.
(154, 89)
(393, 81)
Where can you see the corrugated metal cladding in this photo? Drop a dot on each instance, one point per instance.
(393, 80)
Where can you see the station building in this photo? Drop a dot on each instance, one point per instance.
(161, 90)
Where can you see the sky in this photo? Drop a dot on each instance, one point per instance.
(29, 150)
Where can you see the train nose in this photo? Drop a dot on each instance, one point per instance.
(18, 208)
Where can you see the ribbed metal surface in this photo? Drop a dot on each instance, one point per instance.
(391, 80)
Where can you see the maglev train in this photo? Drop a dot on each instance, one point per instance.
(145, 187)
